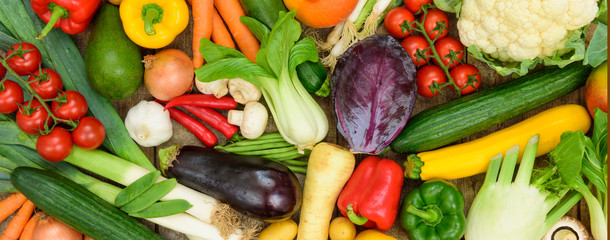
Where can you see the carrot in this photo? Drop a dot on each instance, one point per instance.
(15, 227)
(10, 204)
(29, 227)
(220, 34)
(231, 10)
(329, 167)
(203, 15)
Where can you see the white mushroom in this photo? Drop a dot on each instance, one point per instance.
(218, 88)
(251, 121)
(243, 92)
(567, 228)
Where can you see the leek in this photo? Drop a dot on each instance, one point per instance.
(299, 119)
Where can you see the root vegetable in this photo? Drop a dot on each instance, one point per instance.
(283, 230)
(168, 74)
(329, 168)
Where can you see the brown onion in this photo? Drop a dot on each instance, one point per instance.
(168, 74)
(50, 228)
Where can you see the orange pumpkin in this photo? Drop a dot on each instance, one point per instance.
(321, 13)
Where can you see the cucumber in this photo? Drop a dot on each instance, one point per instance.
(312, 74)
(72, 204)
(452, 121)
(112, 61)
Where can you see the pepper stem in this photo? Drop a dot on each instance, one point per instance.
(151, 14)
(358, 220)
(57, 13)
(431, 214)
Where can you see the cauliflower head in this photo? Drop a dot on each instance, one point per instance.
(519, 30)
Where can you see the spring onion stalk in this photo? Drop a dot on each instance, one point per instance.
(299, 119)
(349, 32)
(181, 222)
(371, 24)
(525, 209)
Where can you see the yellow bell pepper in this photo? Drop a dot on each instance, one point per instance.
(371, 234)
(154, 23)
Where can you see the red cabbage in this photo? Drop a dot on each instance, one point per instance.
(374, 89)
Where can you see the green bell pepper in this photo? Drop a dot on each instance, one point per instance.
(434, 211)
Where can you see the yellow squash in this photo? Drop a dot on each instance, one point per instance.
(471, 158)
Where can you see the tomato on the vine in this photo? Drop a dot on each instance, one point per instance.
(395, 18)
(71, 106)
(32, 116)
(89, 134)
(55, 146)
(434, 17)
(414, 43)
(415, 5)
(444, 46)
(2, 71)
(46, 83)
(11, 95)
(426, 77)
(26, 63)
(460, 75)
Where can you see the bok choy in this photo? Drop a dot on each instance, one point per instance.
(298, 117)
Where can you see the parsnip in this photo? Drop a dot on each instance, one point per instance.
(329, 168)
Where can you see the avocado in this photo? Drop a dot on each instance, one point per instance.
(112, 61)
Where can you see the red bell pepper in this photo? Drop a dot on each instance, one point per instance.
(372, 194)
(73, 16)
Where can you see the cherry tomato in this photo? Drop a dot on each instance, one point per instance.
(89, 134)
(415, 5)
(414, 43)
(46, 83)
(11, 95)
(433, 17)
(31, 118)
(28, 63)
(460, 75)
(428, 75)
(2, 71)
(444, 46)
(395, 18)
(71, 106)
(55, 146)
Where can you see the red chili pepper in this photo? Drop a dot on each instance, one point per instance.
(73, 16)
(214, 119)
(203, 100)
(372, 194)
(197, 128)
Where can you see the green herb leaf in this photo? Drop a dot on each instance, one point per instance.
(260, 30)
(150, 196)
(213, 52)
(568, 155)
(136, 188)
(163, 209)
(304, 50)
(597, 52)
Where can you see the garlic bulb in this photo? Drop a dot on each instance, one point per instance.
(148, 124)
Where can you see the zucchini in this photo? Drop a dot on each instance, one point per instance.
(449, 162)
(452, 121)
(312, 74)
(72, 204)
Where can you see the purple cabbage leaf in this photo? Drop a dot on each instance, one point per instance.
(374, 89)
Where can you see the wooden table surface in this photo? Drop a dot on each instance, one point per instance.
(469, 186)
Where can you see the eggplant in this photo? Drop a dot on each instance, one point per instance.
(254, 186)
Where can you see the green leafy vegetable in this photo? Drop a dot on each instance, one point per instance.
(298, 117)
(597, 52)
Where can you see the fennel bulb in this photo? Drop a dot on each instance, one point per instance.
(299, 119)
(504, 210)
